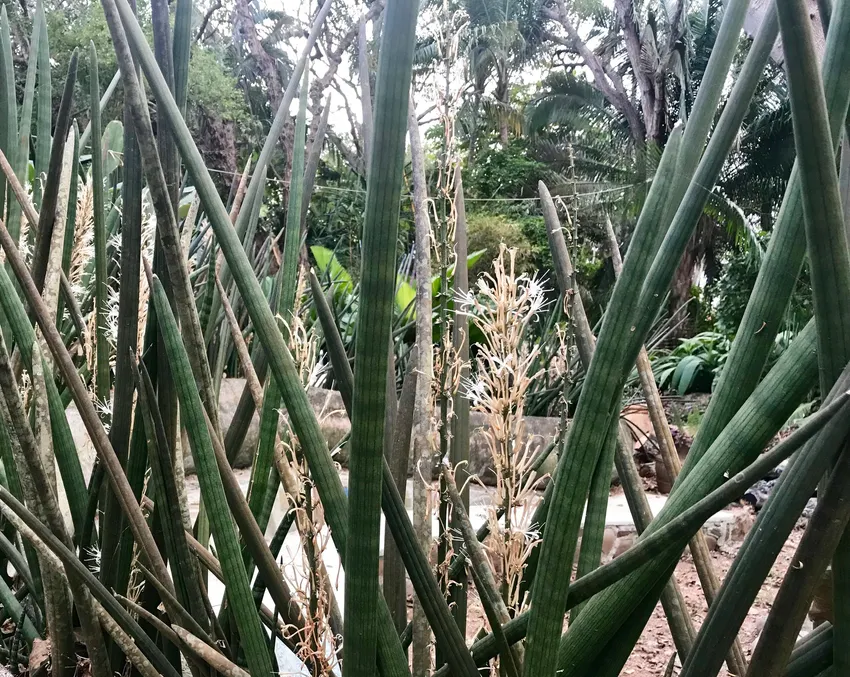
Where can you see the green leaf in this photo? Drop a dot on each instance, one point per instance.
(670, 539)
(21, 157)
(756, 557)
(52, 172)
(331, 268)
(8, 97)
(261, 486)
(304, 423)
(686, 372)
(589, 432)
(581, 645)
(65, 448)
(415, 561)
(471, 260)
(374, 323)
(112, 145)
(281, 118)
(129, 446)
(104, 100)
(44, 108)
(764, 413)
(101, 281)
(182, 49)
(21, 618)
(167, 498)
(99, 592)
(829, 264)
(185, 205)
(405, 294)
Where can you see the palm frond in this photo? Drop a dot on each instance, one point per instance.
(729, 215)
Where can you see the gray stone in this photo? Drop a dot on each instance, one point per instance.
(623, 543)
(326, 403)
(722, 528)
(609, 540)
(539, 433)
(335, 426)
(228, 400)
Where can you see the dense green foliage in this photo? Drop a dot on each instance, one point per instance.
(612, 202)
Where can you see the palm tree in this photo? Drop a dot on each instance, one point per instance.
(758, 169)
(629, 73)
(499, 38)
(584, 138)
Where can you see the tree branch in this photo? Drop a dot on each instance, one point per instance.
(205, 21)
(334, 57)
(646, 85)
(608, 84)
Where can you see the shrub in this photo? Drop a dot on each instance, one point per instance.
(694, 364)
(488, 231)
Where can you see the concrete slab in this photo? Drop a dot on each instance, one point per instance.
(618, 517)
(620, 533)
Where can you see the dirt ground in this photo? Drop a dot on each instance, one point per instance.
(653, 651)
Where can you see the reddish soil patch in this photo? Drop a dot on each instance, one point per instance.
(655, 647)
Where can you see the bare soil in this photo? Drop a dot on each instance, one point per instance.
(655, 647)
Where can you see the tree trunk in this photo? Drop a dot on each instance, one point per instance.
(423, 437)
(473, 129)
(503, 129)
(245, 38)
(503, 97)
(217, 143)
(686, 273)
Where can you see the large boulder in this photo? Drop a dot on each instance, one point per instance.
(330, 411)
(327, 404)
(539, 432)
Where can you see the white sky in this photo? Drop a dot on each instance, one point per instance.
(425, 99)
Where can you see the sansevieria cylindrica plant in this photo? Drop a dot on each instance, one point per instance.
(132, 286)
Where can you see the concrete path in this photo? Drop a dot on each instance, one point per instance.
(620, 533)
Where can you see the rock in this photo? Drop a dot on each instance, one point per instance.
(645, 470)
(228, 400)
(778, 470)
(727, 531)
(623, 543)
(758, 494)
(327, 404)
(609, 540)
(809, 510)
(822, 606)
(539, 432)
(335, 426)
(333, 420)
